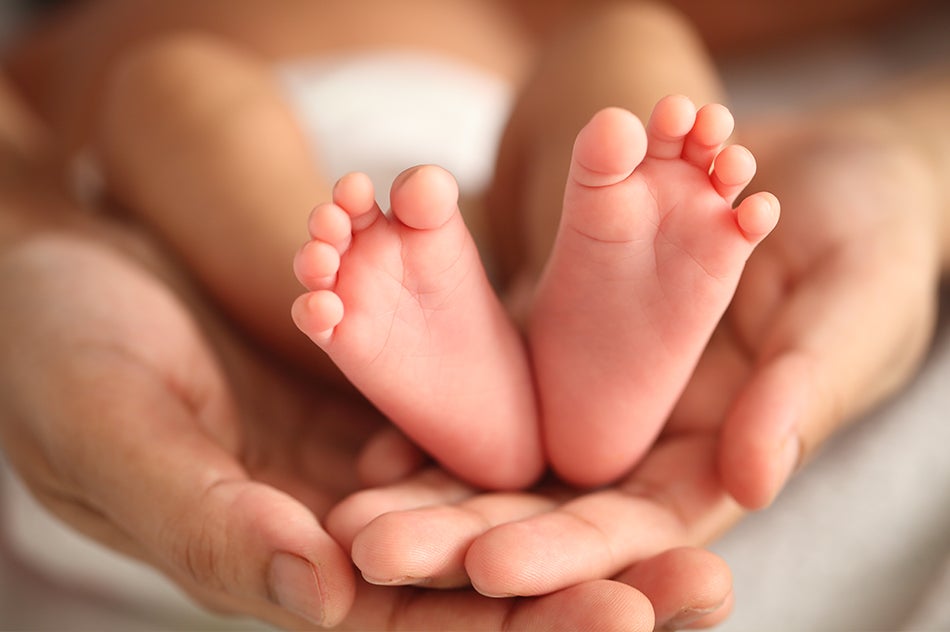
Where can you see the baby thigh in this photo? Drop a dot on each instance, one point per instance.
(196, 140)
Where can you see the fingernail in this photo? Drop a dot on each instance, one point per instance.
(393, 581)
(688, 616)
(294, 585)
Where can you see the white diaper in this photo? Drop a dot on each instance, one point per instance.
(383, 112)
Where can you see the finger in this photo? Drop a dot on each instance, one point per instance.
(761, 446)
(597, 605)
(688, 587)
(190, 505)
(704, 621)
(427, 546)
(816, 372)
(430, 487)
(673, 498)
(728, 360)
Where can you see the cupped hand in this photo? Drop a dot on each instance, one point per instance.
(138, 427)
(434, 531)
(135, 415)
(832, 315)
(836, 309)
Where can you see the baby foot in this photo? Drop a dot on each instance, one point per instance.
(402, 305)
(648, 255)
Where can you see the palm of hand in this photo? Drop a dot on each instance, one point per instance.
(141, 432)
(832, 313)
(162, 436)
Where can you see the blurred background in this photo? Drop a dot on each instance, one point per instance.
(859, 541)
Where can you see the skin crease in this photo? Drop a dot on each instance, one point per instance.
(762, 344)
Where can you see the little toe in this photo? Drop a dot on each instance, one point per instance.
(714, 124)
(425, 197)
(316, 314)
(608, 148)
(732, 171)
(354, 193)
(757, 215)
(316, 265)
(672, 119)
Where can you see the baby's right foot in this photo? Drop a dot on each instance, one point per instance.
(402, 305)
(648, 256)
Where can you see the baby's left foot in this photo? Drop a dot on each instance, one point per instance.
(402, 305)
(647, 258)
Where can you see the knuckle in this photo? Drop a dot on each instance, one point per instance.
(194, 554)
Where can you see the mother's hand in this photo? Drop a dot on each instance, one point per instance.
(129, 423)
(837, 309)
(833, 314)
(430, 530)
(137, 417)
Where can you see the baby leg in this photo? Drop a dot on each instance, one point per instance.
(647, 257)
(196, 140)
(403, 306)
(628, 55)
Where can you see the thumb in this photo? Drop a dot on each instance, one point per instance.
(257, 552)
(140, 457)
(847, 337)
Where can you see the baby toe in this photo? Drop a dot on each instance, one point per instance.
(714, 124)
(425, 197)
(732, 171)
(672, 119)
(316, 265)
(608, 148)
(330, 224)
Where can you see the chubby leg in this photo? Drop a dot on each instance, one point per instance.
(196, 140)
(403, 306)
(647, 257)
(628, 55)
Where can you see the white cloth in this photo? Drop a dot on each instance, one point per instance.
(384, 112)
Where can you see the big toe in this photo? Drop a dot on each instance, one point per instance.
(608, 148)
(425, 197)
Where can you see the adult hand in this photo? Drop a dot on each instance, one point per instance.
(430, 530)
(832, 314)
(134, 415)
(132, 425)
(836, 309)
